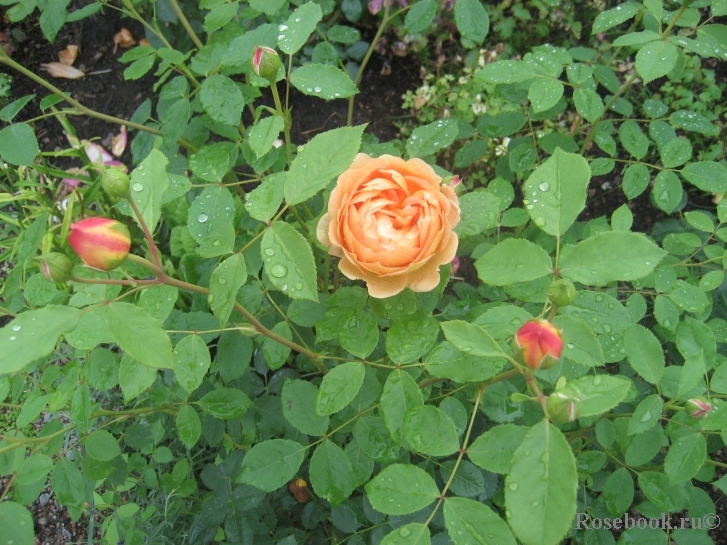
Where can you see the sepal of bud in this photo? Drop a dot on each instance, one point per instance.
(698, 407)
(562, 293)
(537, 344)
(517, 397)
(55, 266)
(101, 243)
(115, 183)
(266, 63)
(563, 408)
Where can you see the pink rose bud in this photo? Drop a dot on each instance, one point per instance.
(698, 407)
(538, 344)
(101, 243)
(563, 408)
(266, 63)
(455, 265)
(55, 267)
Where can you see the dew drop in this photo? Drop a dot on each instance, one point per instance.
(202, 218)
(222, 281)
(645, 417)
(405, 532)
(540, 222)
(285, 287)
(599, 298)
(269, 251)
(544, 186)
(317, 89)
(137, 187)
(16, 328)
(299, 286)
(13, 337)
(279, 271)
(571, 346)
(283, 28)
(513, 486)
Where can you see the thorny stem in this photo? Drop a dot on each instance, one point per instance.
(185, 23)
(4, 59)
(460, 455)
(147, 233)
(365, 61)
(530, 379)
(286, 124)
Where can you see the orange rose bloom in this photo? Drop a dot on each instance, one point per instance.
(390, 221)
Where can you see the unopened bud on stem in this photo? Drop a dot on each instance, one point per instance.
(115, 183)
(562, 293)
(537, 344)
(266, 63)
(55, 267)
(563, 408)
(698, 407)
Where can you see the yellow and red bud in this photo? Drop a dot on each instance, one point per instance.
(266, 63)
(698, 407)
(55, 267)
(101, 243)
(538, 344)
(563, 408)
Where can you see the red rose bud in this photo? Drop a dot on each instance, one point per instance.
(563, 408)
(698, 407)
(101, 243)
(538, 344)
(562, 293)
(115, 183)
(55, 267)
(266, 63)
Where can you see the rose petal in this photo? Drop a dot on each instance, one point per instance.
(59, 70)
(124, 39)
(68, 55)
(118, 142)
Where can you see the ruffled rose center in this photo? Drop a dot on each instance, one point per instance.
(391, 219)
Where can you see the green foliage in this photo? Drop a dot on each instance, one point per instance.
(235, 358)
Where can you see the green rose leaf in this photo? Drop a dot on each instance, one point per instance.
(540, 491)
(226, 280)
(591, 261)
(556, 191)
(331, 473)
(339, 386)
(323, 158)
(401, 489)
(191, 362)
(271, 464)
(644, 353)
(685, 457)
(299, 408)
(512, 261)
(288, 261)
(470, 521)
(139, 334)
(323, 81)
(33, 335)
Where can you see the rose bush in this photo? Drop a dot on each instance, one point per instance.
(390, 221)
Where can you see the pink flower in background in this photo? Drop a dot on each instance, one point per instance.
(376, 6)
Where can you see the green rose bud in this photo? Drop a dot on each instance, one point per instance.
(115, 183)
(562, 293)
(266, 63)
(698, 407)
(563, 408)
(55, 267)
